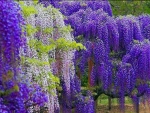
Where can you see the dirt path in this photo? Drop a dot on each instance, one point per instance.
(128, 109)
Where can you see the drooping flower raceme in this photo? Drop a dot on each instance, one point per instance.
(11, 23)
(145, 25)
(14, 92)
(124, 81)
(129, 30)
(138, 57)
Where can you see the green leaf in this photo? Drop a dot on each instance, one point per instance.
(30, 29)
(27, 10)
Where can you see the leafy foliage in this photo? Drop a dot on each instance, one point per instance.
(27, 10)
(130, 7)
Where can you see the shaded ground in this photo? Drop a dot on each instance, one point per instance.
(128, 109)
(102, 106)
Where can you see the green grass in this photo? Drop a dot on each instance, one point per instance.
(103, 100)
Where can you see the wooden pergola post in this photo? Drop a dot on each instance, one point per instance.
(90, 66)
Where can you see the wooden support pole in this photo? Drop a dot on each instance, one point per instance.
(90, 66)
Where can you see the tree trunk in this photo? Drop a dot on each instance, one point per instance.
(137, 106)
(109, 103)
(90, 66)
(79, 74)
(96, 104)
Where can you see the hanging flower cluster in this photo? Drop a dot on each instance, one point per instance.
(15, 95)
(124, 81)
(145, 25)
(11, 23)
(139, 57)
(85, 104)
(78, 101)
(107, 40)
(70, 7)
(129, 30)
(99, 35)
(41, 22)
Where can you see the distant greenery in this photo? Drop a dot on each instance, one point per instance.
(130, 7)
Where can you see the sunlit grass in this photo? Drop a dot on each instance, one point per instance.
(103, 100)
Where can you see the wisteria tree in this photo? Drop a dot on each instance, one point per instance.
(45, 56)
(109, 41)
